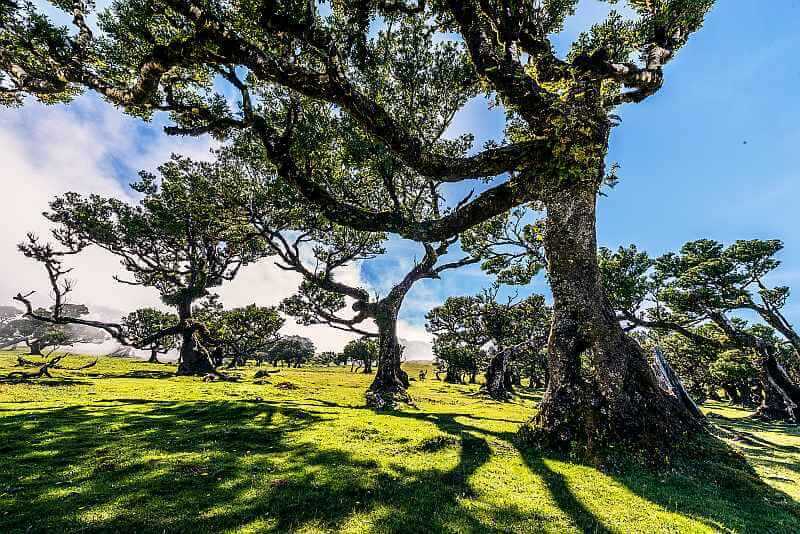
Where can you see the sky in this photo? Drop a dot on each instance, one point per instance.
(715, 154)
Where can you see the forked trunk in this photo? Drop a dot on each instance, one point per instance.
(391, 382)
(601, 390)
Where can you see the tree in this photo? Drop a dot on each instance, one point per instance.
(474, 333)
(180, 239)
(294, 350)
(705, 283)
(40, 335)
(242, 333)
(559, 114)
(144, 323)
(308, 243)
(363, 350)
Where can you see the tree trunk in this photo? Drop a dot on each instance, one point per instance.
(35, 347)
(368, 366)
(193, 360)
(601, 390)
(391, 381)
(780, 395)
(733, 394)
(153, 356)
(496, 377)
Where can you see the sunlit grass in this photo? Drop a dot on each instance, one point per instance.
(125, 446)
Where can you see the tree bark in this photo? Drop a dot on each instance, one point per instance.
(498, 383)
(193, 360)
(153, 356)
(391, 382)
(601, 391)
(781, 396)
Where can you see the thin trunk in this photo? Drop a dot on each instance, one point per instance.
(601, 390)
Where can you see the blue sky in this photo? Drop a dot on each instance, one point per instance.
(713, 155)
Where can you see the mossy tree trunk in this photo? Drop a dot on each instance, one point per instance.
(601, 390)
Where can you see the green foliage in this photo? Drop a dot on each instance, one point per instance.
(292, 350)
(468, 330)
(510, 246)
(242, 333)
(361, 350)
(180, 239)
(146, 322)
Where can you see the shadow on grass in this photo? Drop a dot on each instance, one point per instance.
(154, 466)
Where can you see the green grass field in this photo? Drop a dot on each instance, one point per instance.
(126, 446)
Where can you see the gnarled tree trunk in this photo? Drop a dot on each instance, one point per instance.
(193, 360)
(601, 390)
(35, 347)
(499, 383)
(391, 381)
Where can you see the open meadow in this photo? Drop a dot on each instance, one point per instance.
(127, 446)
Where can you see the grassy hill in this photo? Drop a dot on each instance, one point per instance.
(125, 446)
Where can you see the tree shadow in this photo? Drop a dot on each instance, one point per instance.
(154, 466)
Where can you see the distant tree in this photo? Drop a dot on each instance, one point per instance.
(40, 335)
(364, 351)
(459, 338)
(473, 333)
(179, 239)
(326, 358)
(144, 323)
(243, 333)
(293, 350)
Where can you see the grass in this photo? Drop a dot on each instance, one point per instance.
(125, 446)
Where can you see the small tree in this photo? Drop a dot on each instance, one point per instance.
(40, 334)
(144, 324)
(364, 351)
(242, 333)
(293, 350)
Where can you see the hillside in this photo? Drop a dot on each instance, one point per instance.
(126, 446)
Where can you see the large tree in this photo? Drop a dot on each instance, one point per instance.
(180, 239)
(151, 55)
(307, 242)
